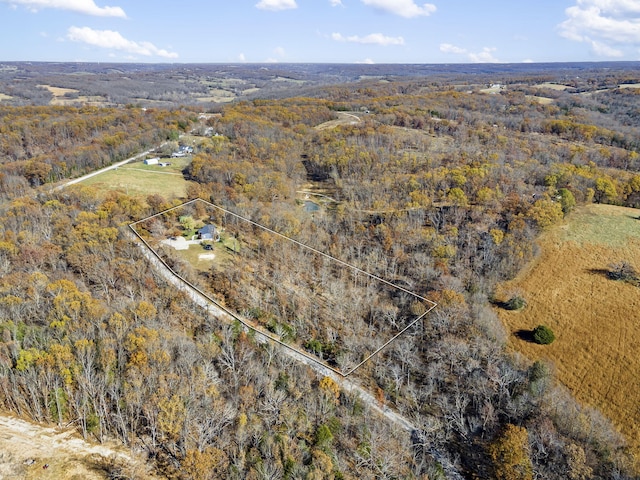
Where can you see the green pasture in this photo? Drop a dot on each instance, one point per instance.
(223, 251)
(137, 179)
(602, 224)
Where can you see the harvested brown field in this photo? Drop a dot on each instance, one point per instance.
(596, 320)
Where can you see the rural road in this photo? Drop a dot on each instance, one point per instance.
(199, 298)
(346, 384)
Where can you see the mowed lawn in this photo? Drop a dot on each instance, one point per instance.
(596, 320)
(138, 179)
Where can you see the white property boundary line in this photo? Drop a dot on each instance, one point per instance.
(268, 334)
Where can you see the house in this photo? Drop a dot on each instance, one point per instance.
(209, 232)
(152, 161)
(178, 154)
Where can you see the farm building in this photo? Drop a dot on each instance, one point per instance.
(152, 161)
(209, 232)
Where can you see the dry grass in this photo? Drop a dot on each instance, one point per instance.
(596, 320)
(344, 118)
(491, 90)
(540, 100)
(25, 449)
(4, 96)
(59, 91)
(552, 86)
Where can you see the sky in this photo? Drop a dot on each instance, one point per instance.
(320, 31)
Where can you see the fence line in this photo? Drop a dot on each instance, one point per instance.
(247, 324)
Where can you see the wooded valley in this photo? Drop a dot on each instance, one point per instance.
(437, 184)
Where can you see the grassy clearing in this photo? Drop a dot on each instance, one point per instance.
(222, 251)
(59, 91)
(139, 180)
(4, 96)
(540, 100)
(596, 320)
(552, 86)
(217, 99)
(344, 118)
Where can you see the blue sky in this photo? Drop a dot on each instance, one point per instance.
(320, 31)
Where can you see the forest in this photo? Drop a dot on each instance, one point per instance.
(440, 186)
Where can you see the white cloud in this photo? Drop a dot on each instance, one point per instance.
(603, 24)
(276, 5)
(604, 50)
(371, 39)
(242, 58)
(367, 61)
(279, 51)
(448, 48)
(527, 60)
(484, 56)
(336, 3)
(403, 8)
(115, 41)
(87, 7)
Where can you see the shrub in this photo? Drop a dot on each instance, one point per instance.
(624, 271)
(543, 335)
(516, 303)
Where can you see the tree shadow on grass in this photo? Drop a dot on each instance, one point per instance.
(525, 335)
(500, 304)
(603, 272)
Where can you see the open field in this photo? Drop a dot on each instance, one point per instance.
(596, 320)
(59, 98)
(552, 86)
(540, 100)
(59, 91)
(138, 179)
(492, 90)
(204, 260)
(4, 96)
(344, 118)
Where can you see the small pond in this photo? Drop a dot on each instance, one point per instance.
(310, 206)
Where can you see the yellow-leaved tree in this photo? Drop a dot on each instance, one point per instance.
(510, 454)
